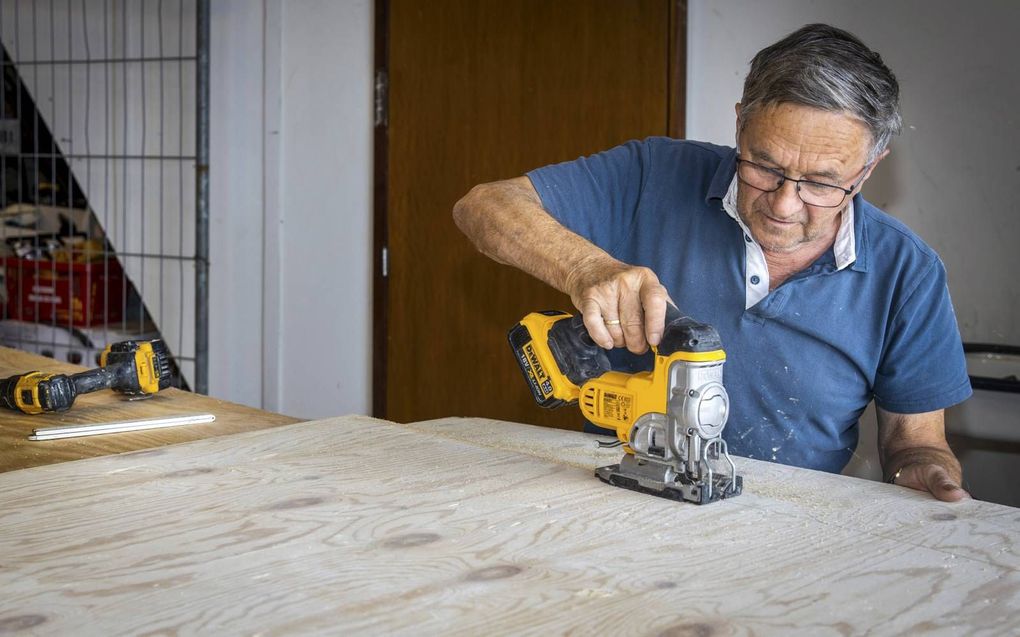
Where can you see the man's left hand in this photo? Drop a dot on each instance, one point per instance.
(932, 478)
(915, 454)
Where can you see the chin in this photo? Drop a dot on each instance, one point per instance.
(779, 248)
(775, 239)
(773, 243)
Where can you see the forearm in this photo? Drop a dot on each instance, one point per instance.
(506, 221)
(622, 305)
(911, 438)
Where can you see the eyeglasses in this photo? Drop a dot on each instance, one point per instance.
(812, 193)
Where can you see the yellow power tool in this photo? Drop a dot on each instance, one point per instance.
(669, 420)
(134, 368)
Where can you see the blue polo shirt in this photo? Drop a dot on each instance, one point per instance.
(804, 361)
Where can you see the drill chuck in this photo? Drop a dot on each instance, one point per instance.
(36, 392)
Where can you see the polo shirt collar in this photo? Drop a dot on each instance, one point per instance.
(860, 206)
(724, 174)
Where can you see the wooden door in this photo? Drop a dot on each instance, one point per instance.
(481, 90)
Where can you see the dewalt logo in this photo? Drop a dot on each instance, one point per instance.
(533, 359)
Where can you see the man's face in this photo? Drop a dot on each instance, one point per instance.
(802, 143)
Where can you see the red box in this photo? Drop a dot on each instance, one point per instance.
(79, 294)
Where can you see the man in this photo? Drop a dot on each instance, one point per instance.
(823, 302)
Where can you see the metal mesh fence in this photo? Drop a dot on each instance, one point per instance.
(101, 218)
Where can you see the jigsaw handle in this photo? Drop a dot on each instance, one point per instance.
(573, 345)
(673, 313)
(684, 334)
(579, 357)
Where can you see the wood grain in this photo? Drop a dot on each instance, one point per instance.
(17, 452)
(469, 526)
(482, 90)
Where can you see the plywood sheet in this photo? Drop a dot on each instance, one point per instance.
(469, 526)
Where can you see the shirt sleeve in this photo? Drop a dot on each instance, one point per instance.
(596, 196)
(923, 367)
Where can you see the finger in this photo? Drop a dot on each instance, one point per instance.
(654, 299)
(611, 319)
(940, 484)
(592, 314)
(615, 327)
(632, 319)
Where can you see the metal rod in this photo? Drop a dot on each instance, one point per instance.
(115, 156)
(162, 118)
(19, 114)
(155, 255)
(80, 338)
(76, 431)
(3, 115)
(88, 139)
(103, 61)
(180, 180)
(142, 207)
(202, 205)
(125, 113)
(35, 122)
(57, 146)
(108, 94)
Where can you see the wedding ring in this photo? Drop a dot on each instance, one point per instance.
(892, 480)
(611, 322)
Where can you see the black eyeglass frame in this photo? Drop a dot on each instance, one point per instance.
(783, 179)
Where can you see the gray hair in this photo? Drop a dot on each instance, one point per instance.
(826, 68)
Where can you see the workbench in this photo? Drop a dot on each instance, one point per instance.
(353, 525)
(17, 452)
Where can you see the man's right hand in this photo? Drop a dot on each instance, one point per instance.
(622, 305)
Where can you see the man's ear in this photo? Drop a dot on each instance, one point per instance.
(736, 137)
(867, 176)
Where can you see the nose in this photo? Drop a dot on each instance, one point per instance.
(786, 201)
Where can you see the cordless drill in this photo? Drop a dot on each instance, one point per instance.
(134, 368)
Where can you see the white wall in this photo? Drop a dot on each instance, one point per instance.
(291, 180)
(236, 200)
(954, 174)
(325, 196)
